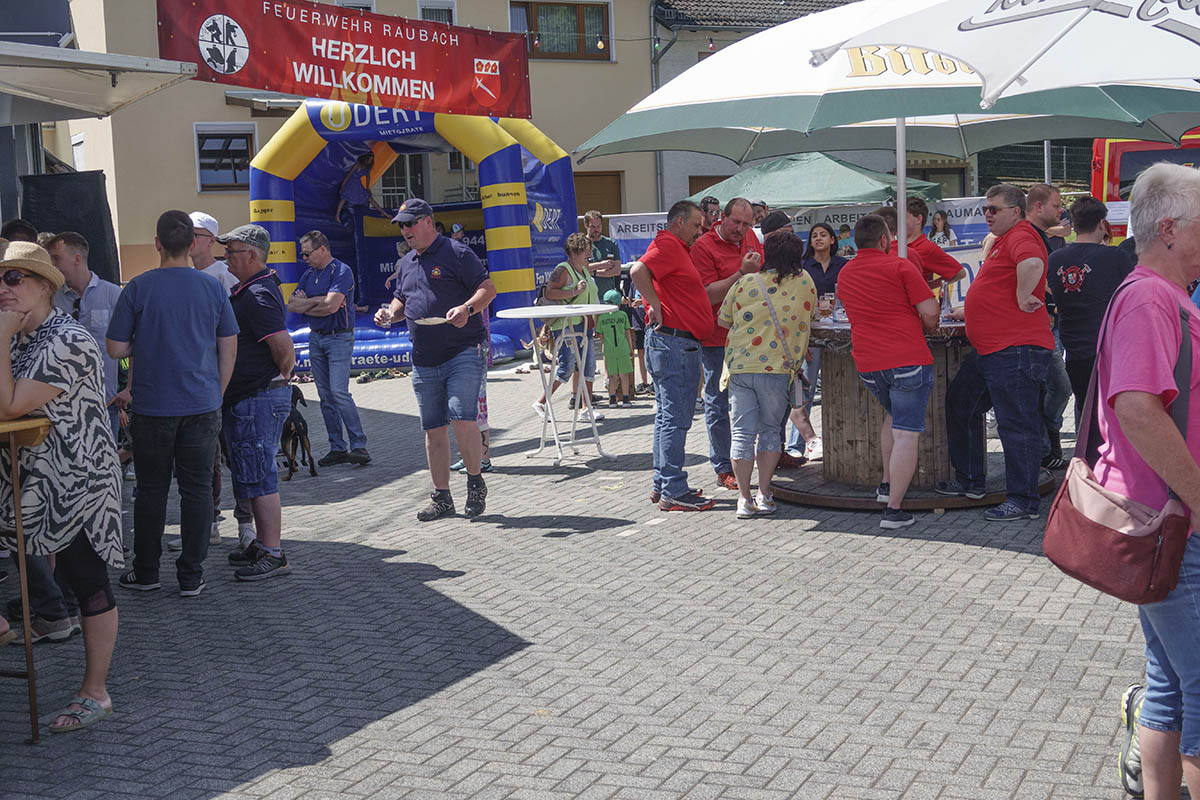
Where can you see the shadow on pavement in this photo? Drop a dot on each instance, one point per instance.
(557, 526)
(212, 692)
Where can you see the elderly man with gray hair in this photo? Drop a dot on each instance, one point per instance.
(258, 398)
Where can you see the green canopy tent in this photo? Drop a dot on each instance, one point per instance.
(814, 179)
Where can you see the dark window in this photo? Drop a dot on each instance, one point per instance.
(563, 30)
(224, 159)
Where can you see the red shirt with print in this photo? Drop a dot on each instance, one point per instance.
(937, 262)
(680, 293)
(716, 259)
(994, 321)
(880, 292)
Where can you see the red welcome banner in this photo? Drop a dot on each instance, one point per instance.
(318, 50)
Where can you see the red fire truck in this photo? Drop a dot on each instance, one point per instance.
(1117, 162)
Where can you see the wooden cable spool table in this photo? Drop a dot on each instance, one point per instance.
(851, 417)
(24, 432)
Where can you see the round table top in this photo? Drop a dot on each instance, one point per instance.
(555, 311)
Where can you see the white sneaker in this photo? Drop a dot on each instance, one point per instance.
(214, 537)
(588, 415)
(540, 410)
(246, 533)
(765, 503)
(814, 449)
(746, 509)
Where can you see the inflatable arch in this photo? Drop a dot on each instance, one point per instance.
(518, 226)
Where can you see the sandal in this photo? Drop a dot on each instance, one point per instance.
(90, 713)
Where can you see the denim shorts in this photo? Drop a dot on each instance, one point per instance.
(566, 356)
(1172, 630)
(903, 392)
(450, 391)
(252, 429)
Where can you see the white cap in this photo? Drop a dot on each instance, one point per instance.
(206, 221)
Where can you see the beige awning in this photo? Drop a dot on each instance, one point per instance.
(41, 84)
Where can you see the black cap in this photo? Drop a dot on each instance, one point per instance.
(774, 221)
(414, 208)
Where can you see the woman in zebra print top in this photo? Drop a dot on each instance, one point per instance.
(70, 484)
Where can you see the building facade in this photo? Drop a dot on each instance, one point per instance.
(189, 146)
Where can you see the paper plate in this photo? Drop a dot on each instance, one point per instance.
(430, 320)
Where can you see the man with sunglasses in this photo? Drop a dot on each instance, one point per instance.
(324, 296)
(258, 399)
(443, 281)
(1009, 328)
(205, 227)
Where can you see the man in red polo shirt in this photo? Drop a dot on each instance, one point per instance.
(888, 215)
(939, 265)
(1009, 328)
(678, 316)
(721, 256)
(890, 307)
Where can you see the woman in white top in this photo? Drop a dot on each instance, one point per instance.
(940, 232)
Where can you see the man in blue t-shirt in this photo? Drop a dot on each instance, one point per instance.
(177, 326)
(325, 296)
(441, 289)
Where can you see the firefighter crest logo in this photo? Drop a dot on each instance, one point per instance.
(1072, 277)
(223, 44)
(486, 85)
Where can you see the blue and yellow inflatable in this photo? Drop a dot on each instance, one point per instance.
(525, 211)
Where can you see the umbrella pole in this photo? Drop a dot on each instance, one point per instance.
(1046, 159)
(901, 188)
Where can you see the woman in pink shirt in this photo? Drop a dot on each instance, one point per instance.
(1143, 453)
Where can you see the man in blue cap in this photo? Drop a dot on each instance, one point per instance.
(441, 289)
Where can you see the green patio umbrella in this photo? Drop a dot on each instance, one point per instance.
(814, 179)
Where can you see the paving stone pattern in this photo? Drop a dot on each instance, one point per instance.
(575, 642)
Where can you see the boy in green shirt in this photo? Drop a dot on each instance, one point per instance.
(617, 337)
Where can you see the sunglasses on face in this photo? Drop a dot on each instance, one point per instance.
(995, 209)
(13, 277)
(411, 223)
(306, 253)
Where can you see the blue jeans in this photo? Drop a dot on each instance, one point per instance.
(812, 371)
(903, 392)
(674, 363)
(566, 355)
(253, 426)
(1058, 392)
(182, 446)
(329, 355)
(1172, 630)
(757, 401)
(1012, 381)
(716, 409)
(450, 390)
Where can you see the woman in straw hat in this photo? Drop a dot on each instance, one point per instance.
(70, 492)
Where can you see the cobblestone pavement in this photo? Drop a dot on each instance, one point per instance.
(574, 642)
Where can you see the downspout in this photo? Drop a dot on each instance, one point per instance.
(655, 56)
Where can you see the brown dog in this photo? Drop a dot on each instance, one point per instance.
(295, 436)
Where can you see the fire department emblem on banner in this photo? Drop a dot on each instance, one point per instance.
(223, 44)
(486, 86)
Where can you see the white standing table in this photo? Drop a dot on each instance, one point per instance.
(577, 343)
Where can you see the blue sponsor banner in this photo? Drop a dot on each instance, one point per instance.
(633, 233)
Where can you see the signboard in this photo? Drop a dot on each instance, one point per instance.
(327, 52)
(633, 233)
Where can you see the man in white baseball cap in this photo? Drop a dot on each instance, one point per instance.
(205, 228)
